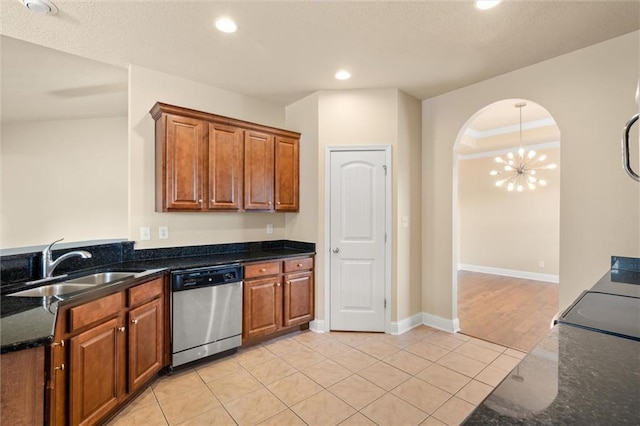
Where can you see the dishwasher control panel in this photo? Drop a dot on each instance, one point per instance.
(205, 277)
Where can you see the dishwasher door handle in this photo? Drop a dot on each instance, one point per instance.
(626, 160)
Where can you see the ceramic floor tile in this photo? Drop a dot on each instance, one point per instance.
(282, 346)
(323, 409)
(351, 338)
(420, 332)
(148, 414)
(377, 349)
(400, 341)
(488, 345)
(309, 338)
(444, 340)
(461, 364)
(218, 417)
(327, 372)
(170, 386)
(302, 357)
(271, 370)
(427, 351)
(357, 391)
(295, 388)
(432, 421)
(354, 360)
(329, 347)
(284, 418)
(454, 411)
(514, 353)
(255, 407)
(357, 420)
(505, 362)
(407, 362)
(461, 336)
(443, 378)
(393, 411)
(384, 375)
(234, 386)
(188, 405)
(421, 394)
(219, 369)
(474, 392)
(473, 351)
(249, 357)
(491, 375)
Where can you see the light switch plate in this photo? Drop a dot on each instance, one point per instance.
(163, 232)
(145, 233)
(269, 228)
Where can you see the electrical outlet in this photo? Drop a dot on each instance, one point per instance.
(541, 264)
(269, 228)
(145, 233)
(163, 232)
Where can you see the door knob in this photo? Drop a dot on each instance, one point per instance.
(336, 250)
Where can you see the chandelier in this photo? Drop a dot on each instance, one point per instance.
(519, 169)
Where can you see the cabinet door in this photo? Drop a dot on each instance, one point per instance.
(224, 171)
(96, 371)
(146, 331)
(287, 174)
(183, 168)
(298, 298)
(262, 312)
(258, 171)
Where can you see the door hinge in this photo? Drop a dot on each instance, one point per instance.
(385, 303)
(385, 237)
(385, 169)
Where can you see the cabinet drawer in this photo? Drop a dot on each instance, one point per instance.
(298, 264)
(143, 292)
(97, 310)
(261, 269)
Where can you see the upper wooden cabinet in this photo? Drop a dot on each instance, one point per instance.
(206, 162)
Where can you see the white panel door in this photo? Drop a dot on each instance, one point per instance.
(357, 233)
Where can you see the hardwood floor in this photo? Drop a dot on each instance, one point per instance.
(512, 312)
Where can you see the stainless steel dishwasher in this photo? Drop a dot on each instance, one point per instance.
(206, 312)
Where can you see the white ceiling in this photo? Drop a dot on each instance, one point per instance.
(286, 50)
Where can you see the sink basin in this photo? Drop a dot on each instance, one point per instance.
(101, 278)
(52, 290)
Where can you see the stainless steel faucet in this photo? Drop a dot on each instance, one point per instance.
(48, 265)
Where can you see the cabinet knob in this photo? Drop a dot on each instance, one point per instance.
(61, 368)
(299, 265)
(279, 203)
(58, 344)
(278, 284)
(270, 203)
(200, 201)
(121, 329)
(263, 270)
(134, 321)
(289, 282)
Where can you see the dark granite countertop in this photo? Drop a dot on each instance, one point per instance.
(574, 376)
(27, 322)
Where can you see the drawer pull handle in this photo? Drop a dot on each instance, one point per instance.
(263, 270)
(61, 344)
(61, 368)
(278, 284)
(134, 321)
(299, 265)
(121, 329)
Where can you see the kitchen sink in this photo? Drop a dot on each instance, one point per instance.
(101, 278)
(76, 284)
(52, 290)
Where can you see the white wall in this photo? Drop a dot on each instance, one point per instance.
(508, 230)
(590, 94)
(64, 178)
(146, 87)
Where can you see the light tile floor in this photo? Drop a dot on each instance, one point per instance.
(422, 377)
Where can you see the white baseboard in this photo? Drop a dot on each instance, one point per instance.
(549, 278)
(406, 324)
(434, 321)
(317, 326)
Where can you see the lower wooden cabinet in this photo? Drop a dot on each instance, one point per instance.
(278, 295)
(21, 387)
(104, 351)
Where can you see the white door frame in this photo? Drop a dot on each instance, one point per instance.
(327, 229)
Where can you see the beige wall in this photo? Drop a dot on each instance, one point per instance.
(590, 94)
(63, 178)
(364, 117)
(146, 87)
(508, 230)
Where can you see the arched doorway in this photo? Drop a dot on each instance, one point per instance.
(506, 223)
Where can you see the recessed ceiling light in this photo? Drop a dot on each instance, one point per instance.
(487, 4)
(343, 75)
(226, 25)
(41, 7)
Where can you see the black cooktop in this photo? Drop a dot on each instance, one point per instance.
(614, 314)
